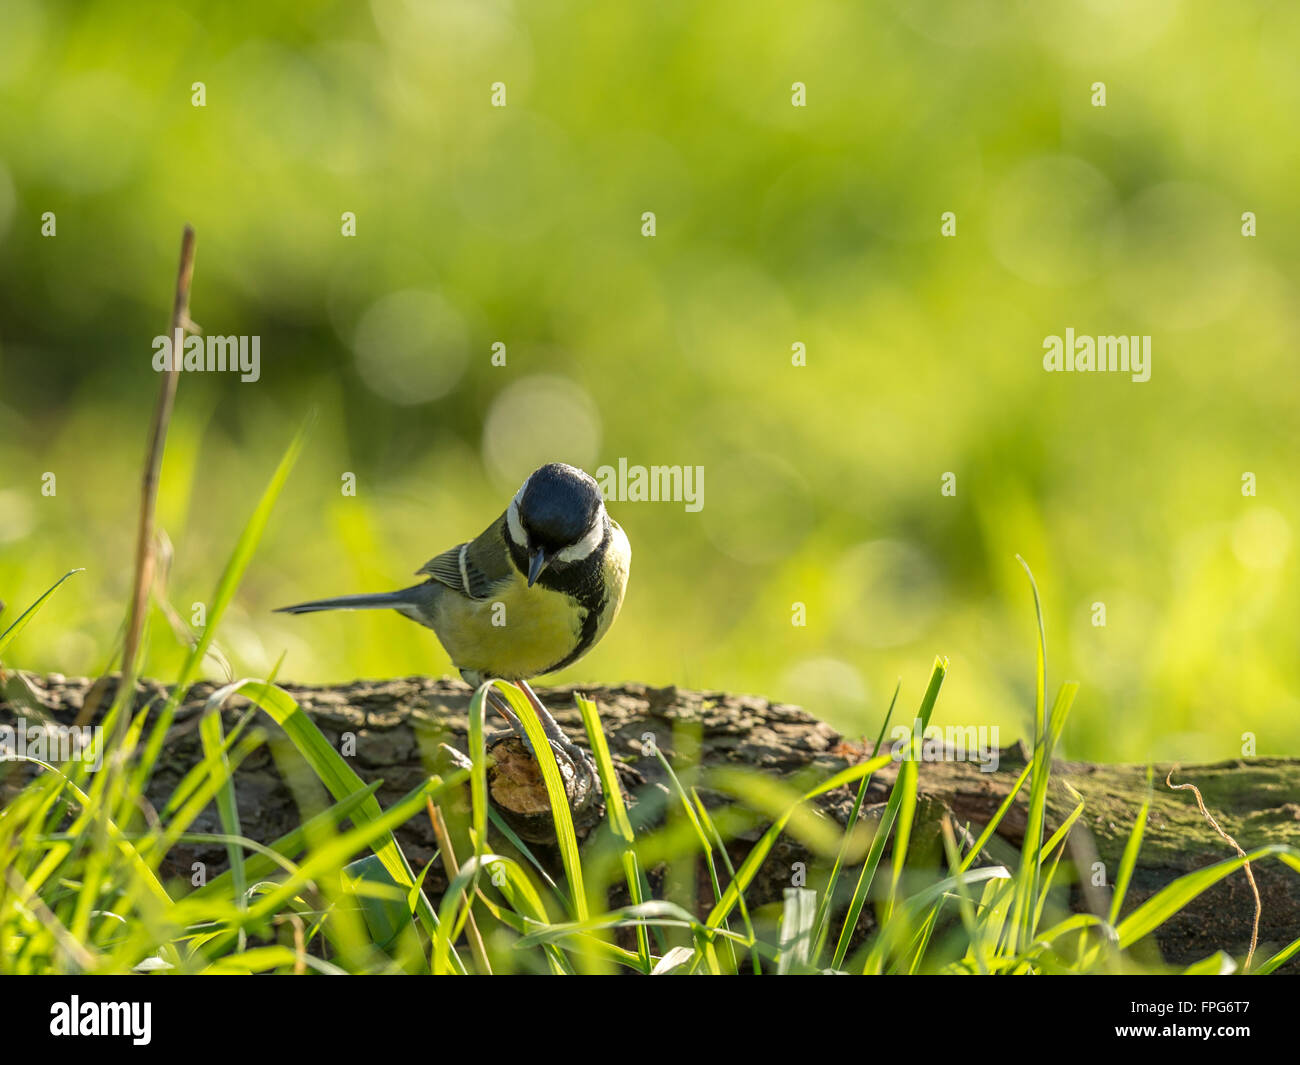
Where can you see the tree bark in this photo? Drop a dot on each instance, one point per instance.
(396, 728)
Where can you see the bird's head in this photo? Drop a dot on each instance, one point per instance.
(558, 515)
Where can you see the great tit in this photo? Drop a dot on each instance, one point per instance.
(531, 594)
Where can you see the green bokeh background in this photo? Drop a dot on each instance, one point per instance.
(775, 225)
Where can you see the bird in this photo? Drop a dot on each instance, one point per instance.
(531, 594)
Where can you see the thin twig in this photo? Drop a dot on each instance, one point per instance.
(453, 870)
(144, 544)
(1250, 875)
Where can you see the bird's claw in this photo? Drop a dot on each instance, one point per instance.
(582, 763)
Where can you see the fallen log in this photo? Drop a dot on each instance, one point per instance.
(394, 730)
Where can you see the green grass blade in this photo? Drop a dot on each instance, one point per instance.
(237, 563)
(887, 819)
(1217, 964)
(514, 885)
(828, 896)
(1027, 880)
(657, 912)
(565, 834)
(287, 846)
(1053, 849)
(907, 780)
(214, 747)
(339, 778)
(894, 934)
(706, 953)
(1279, 959)
(1173, 897)
(712, 830)
(797, 925)
(749, 867)
(937, 674)
(1129, 859)
(616, 812)
(20, 623)
(982, 840)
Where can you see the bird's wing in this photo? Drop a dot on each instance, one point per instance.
(474, 568)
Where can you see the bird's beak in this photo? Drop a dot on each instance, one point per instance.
(536, 564)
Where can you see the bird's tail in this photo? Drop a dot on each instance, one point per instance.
(406, 597)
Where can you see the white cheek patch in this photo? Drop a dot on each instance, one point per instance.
(513, 523)
(585, 546)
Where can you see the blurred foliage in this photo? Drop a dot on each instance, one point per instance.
(775, 225)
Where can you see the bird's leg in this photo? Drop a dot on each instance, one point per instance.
(502, 707)
(554, 733)
(560, 743)
(582, 761)
(549, 724)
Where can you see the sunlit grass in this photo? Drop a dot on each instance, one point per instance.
(82, 889)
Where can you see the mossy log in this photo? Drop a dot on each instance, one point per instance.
(395, 730)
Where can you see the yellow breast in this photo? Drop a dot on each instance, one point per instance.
(517, 633)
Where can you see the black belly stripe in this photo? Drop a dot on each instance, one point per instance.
(585, 638)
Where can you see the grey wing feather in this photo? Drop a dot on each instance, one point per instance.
(445, 569)
(474, 568)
